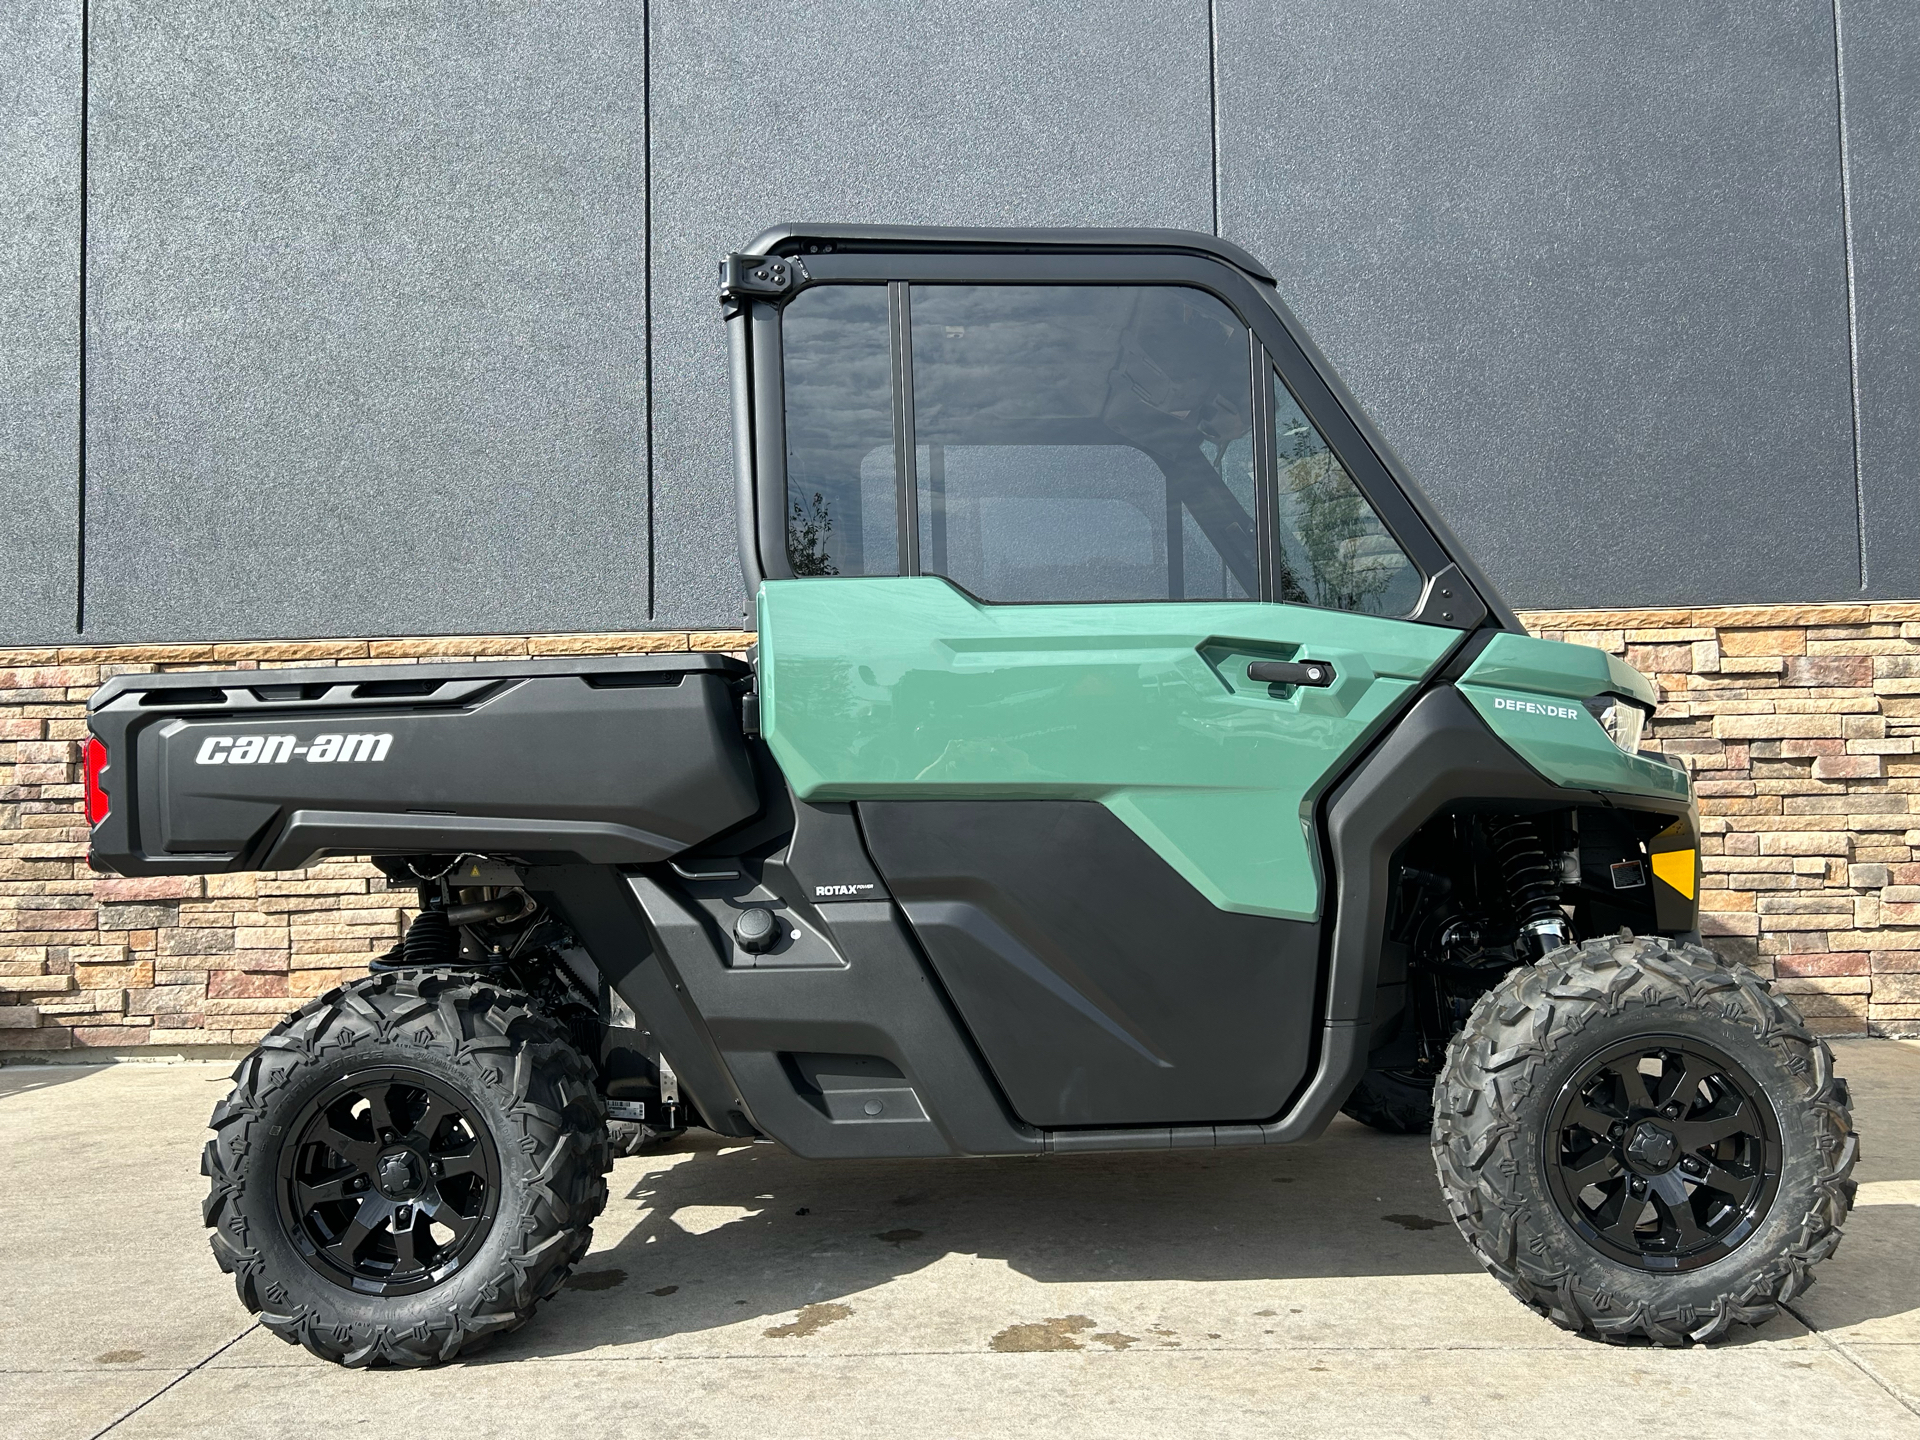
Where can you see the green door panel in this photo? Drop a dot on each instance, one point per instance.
(1529, 693)
(906, 688)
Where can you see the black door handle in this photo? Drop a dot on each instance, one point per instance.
(1317, 673)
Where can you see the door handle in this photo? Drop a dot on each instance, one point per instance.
(1316, 673)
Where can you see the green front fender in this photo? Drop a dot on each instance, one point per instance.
(1529, 692)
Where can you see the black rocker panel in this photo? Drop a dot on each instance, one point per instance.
(1102, 988)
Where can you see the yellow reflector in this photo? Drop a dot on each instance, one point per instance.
(1676, 868)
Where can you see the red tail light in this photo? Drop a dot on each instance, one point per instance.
(96, 761)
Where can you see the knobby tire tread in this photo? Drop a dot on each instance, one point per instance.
(1479, 1142)
(636, 1137)
(504, 1045)
(1390, 1104)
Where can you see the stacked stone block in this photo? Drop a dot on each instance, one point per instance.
(1799, 724)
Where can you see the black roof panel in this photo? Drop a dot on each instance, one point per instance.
(794, 238)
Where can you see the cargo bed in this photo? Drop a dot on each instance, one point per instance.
(609, 760)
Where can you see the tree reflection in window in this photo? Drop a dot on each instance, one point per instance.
(1334, 552)
(841, 505)
(808, 527)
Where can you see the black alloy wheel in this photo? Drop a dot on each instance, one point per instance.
(406, 1168)
(1642, 1142)
(390, 1185)
(1662, 1153)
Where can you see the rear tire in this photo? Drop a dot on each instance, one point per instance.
(636, 1137)
(439, 1106)
(1395, 1102)
(1668, 1207)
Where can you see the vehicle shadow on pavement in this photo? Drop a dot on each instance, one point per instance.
(717, 1232)
(711, 1233)
(20, 1079)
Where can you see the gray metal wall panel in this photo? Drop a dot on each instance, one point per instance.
(365, 291)
(1585, 267)
(1881, 71)
(1088, 113)
(39, 318)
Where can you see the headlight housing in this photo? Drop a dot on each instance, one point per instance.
(1624, 720)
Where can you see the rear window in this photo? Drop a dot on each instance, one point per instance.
(842, 516)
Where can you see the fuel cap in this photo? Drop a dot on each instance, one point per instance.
(756, 931)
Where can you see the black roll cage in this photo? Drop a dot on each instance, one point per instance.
(753, 293)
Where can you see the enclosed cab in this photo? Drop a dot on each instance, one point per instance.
(1078, 524)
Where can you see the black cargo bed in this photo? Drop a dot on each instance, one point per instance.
(602, 760)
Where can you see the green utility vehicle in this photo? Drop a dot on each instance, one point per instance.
(1131, 760)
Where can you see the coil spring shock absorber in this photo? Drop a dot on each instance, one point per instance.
(1532, 885)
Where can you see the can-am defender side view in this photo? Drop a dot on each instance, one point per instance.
(1131, 759)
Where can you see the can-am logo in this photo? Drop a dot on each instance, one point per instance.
(278, 749)
(1529, 707)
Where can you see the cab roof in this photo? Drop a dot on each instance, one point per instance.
(803, 238)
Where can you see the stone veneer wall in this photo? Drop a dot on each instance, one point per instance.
(1800, 725)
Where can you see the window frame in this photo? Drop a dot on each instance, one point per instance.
(1272, 345)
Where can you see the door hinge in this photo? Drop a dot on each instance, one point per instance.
(758, 277)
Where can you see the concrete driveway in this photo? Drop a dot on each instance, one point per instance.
(734, 1290)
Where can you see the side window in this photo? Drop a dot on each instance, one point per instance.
(1083, 443)
(1332, 550)
(842, 516)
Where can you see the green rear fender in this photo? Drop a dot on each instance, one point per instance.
(882, 688)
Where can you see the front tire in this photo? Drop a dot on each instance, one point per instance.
(1640, 1141)
(405, 1168)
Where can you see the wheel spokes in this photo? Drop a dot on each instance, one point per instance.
(373, 1212)
(333, 1188)
(405, 1241)
(1599, 1165)
(1695, 1071)
(1678, 1213)
(1590, 1118)
(442, 1212)
(1736, 1187)
(437, 1113)
(468, 1161)
(1620, 1218)
(1634, 1093)
(1702, 1134)
(379, 1100)
(356, 1150)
